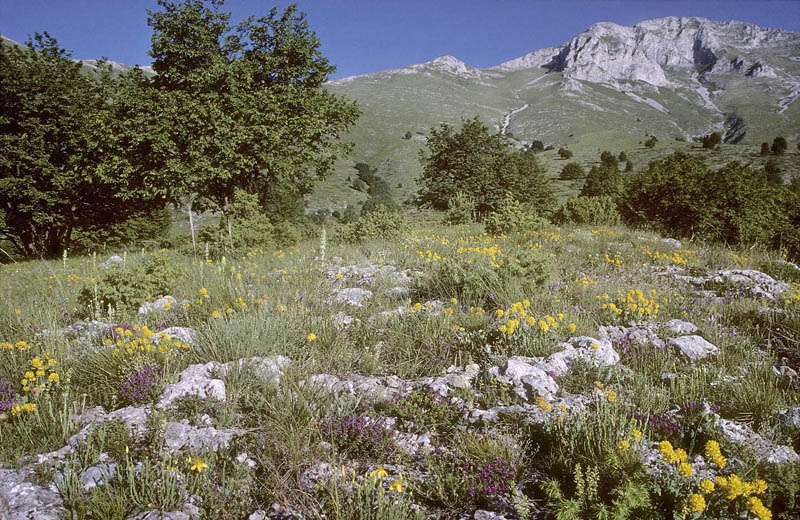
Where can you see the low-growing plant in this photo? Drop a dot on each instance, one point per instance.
(512, 216)
(125, 287)
(359, 435)
(423, 409)
(597, 211)
(381, 223)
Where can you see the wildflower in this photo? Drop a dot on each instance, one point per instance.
(697, 503)
(500, 313)
(37, 363)
(636, 434)
(681, 454)
(166, 306)
(53, 378)
(196, 464)
(706, 486)
(686, 469)
(311, 336)
(623, 446)
(378, 473)
(757, 508)
(397, 485)
(215, 314)
(544, 404)
(611, 395)
(572, 328)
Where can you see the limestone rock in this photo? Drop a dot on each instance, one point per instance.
(680, 327)
(353, 296)
(181, 435)
(693, 347)
(22, 499)
(195, 380)
(764, 449)
(159, 305)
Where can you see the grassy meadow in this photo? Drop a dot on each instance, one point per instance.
(414, 421)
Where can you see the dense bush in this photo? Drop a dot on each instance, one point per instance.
(572, 171)
(148, 229)
(601, 210)
(513, 216)
(604, 180)
(485, 166)
(682, 196)
(123, 287)
(378, 224)
(461, 209)
(711, 140)
(651, 142)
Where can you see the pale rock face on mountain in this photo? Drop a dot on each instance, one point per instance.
(649, 51)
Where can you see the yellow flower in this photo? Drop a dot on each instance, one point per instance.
(37, 363)
(215, 314)
(682, 455)
(311, 336)
(636, 434)
(544, 404)
(500, 313)
(686, 469)
(758, 509)
(397, 486)
(53, 378)
(706, 486)
(572, 328)
(196, 464)
(378, 473)
(623, 446)
(697, 503)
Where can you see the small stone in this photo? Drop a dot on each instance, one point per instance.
(160, 305)
(693, 347)
(258, 514)
(671, 242)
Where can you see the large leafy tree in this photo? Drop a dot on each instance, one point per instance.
(54, 148)
(484, 165)
(243, 107)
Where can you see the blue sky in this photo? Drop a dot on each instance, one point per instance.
(362, 36)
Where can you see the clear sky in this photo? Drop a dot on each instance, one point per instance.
(361, 36)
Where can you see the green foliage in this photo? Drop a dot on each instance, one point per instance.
(682, 196)
(779, 145)
(773, 172)
(423, 410)
(485, 166)
(622, 157)
(711, 140)
(628, 165)
(651, 142)
(572, 171)
(122, 287)
(460, 209)
(512, 216)
(242, 107)
(600, 210)
(764, 149)
(564, 153)
(604, 180)
(59, 171)
(381, 223)
(608, 160)
(111, 437)
(348, 497)
(147, 230)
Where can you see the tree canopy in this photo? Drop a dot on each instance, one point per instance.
(483, 165)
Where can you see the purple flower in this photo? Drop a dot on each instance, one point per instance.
(8, 397)
(141, 386)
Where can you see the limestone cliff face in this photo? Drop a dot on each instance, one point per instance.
(652, 51)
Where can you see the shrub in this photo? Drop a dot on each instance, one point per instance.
(513, 216)
(378, 224)
(243, 226)
(764, 149)
(460, 209)
(682, 196)
(779, 145)
(711, 140)
(122, 287)
(148, 229)
(286, 234)
(603, 180)
(601, 210)
(572, 171)
(564, 153)
(651, 143)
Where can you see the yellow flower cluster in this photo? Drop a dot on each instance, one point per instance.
(706, 486)
(41, 374)
(792, 296)
(377, 475)
(600, 389)
(635, 304)
(697, 503)
(429, 256)
(19, 345)
(623, 446)
(544, 404)
(733, 486)
(196, 464)
(758, 509)
(138, 341)
(586, 282)
(673, 456)
(614, 261)
(714, 454)
(23, 408)
(680, 257)
(518, 315)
